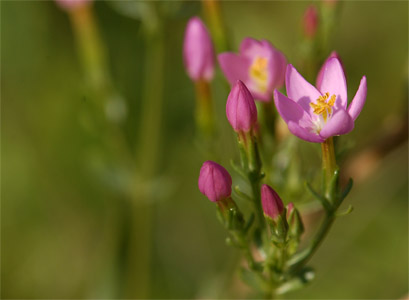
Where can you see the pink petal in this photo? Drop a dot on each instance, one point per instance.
(277, 65)
(297, 119)
(339, 123)
(321, 72)
(358, 102)
(333, 82)
(303, 133)
(235, 67)
(299, 90)
(251, 48)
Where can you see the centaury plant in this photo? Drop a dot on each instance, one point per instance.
(270, 233)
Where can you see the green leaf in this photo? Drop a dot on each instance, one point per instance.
(238, 169)
(254, 280)
(319, 197)
(347, 212)
(347, 189)
(242, 194)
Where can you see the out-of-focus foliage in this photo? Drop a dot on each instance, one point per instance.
(63, 220)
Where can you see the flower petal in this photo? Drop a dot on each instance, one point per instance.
(297, 119)
(251, 48)
(339, 123)
(300, 90)
(321, 72)
(358, 102)
(333, 81)
(234, 67)
(276, 66)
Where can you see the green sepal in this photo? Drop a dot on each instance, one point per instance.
(305, 276)
(295, 224)
(319, 197)
(333, 187)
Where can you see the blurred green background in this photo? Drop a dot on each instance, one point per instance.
(76, 224)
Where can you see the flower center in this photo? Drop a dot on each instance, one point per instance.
(258, 72)
(322, 107)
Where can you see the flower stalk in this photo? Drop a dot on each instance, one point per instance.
(204, 108)
(329, 164)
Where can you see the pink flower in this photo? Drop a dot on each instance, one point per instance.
(259, 65)
(316, 114)
(241, 110)
(71, 4)
(198, 51)
(310, 21)
(271, 202)
(214, 181)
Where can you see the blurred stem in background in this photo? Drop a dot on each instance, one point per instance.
(213, 14)
(204, 109)
(140, 247)
(135, 272)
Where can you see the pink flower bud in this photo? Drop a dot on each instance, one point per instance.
(214, 181)
(271, 202)
(71, 4)
(198, 51)
(310, 21)
(241, 110)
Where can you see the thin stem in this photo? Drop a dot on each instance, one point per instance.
(214, 17)
(329, 164)
(298, 261)
(204, 108)
(139, 264)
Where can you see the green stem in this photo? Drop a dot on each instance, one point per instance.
(140, 246)
(204, 109)
(298, 261)
(214, 17)
(329, 164)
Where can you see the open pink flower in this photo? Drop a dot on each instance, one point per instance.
(316, 114)
(259, 65)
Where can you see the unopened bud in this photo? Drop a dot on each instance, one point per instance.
(241, 109)
(198, 51)
(214, 181)
(271, 202)
(310, 21)
(296, 227)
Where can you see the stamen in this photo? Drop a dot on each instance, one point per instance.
(322, 107)
(258, 72)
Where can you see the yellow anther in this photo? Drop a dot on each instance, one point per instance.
(322, 107)
(258, 72)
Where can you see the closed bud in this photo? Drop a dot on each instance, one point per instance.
(310, 21)
(296, 227)
(214, 181)
(241, 109)
(198, 52)
(273, 207)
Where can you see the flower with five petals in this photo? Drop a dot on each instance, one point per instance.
(316, 114)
